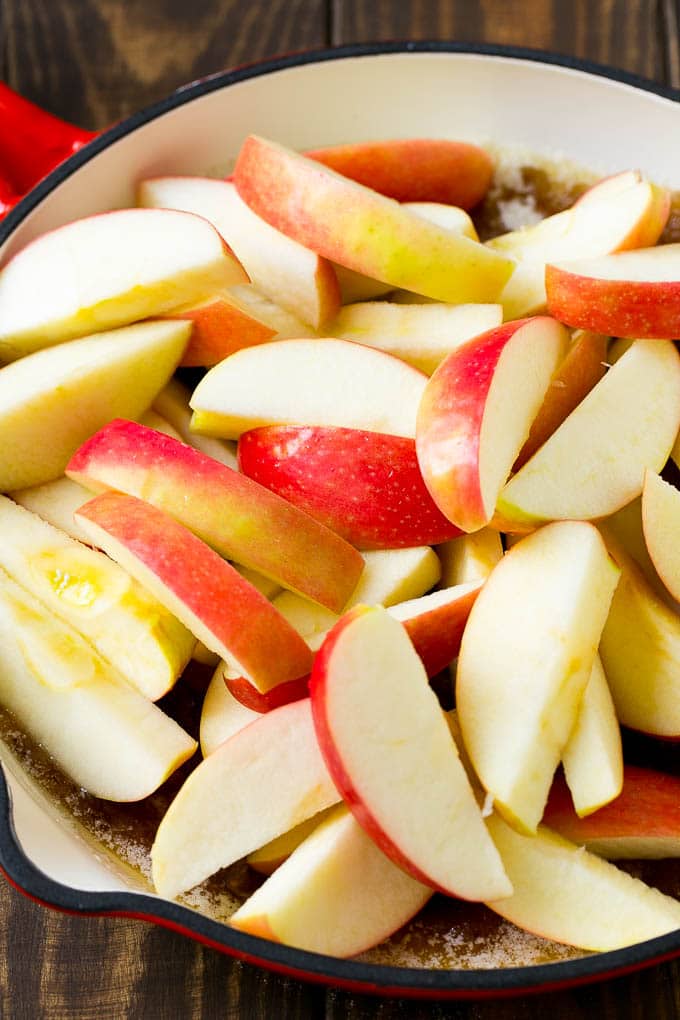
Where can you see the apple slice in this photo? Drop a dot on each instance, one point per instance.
(106, 736)
(435, 623)
(270, 856)
(595, 462)
(64, 394)
(258, 784)
(128, 627)
(363, 230)
(661, 524)
(476, 412)
(629, 294)
(56, 502)
(450, 217)
(217, 605)
(365, 486)
(414, 169)
(219, 327)
(571, 896)
(122, 266)
(308, 382)
(222, 715)
(675, 452)
(470, 557)
(525, 659)
(236, 516)
(153, 420)
(593, 757)
(173, 403)
(643, 821)
(423, 335)
(285, 271)
(624, 530)
(391, 755)
(337, 893)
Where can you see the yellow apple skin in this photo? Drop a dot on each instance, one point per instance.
(661, 525)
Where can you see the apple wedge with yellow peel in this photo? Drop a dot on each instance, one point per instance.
(105, 735)
(470, 557)
(594, 463)
(361, 229)
(128, 627)
(258, 784)
(215, 603)
(569, 895)
(661, 526)
(337, 893)
(525, 660)
(173, 403)
(242, 520)
(476, 412)
(308, 382)
(67, 392)
(287, 272)
(122, 266)
(392, 757)
(221, 715)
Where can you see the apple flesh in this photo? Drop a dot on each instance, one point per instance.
(236, 516)
(435, 623)
(595, 462)
(363, 230)
(56, 502)
(397, 768)
(365, 486)
(122, 266)
(476, 412)
(173, 403)
(470, 557)
(221, 715)
(261, 782)
(337, 893)
(661, 525)
(270, 856)
(525, 659)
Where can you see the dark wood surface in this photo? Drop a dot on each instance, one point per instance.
(94, 61)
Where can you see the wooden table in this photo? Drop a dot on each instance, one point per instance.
(95, 61)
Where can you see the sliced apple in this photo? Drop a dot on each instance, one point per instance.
(173, 403)
(525, 659)
(285, 271)
(628, 294)
(470, 557)
(595, 462)
(476, 412)
(258, 784)
(363, 230)
(450, 217)
(435, 623)
(391, 755)
(236, 516)
(337, 893)
(222, 715)
(217, 605)
(308, 382)
(366, 486)
(219, 327)
(153, 420)
(105, 735)
(661, 524)
(56, 502)
(571, 896)
(270, 856)
(54, 399)
(423, 335)
(122, 266)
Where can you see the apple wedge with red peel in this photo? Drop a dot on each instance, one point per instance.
(336, 894)
(476, 412)
(308, 382)
(173, 403)
(361, 229)
(422, 335)
(258, 784)
(414, 169)
(566, 894)
(628, 294)
(287, 272)
(214, 602)
(52, 400)
(269, 857)
(593, 756)
(56, 502)
(239, 518)
(222, 715)
(661, 525)
(642, 823)
(122, 266)
(247, 694)
(583, 366)
(104, 734)
(435, 623)
(218, 328)
(365, 486)
(470, 557)
(526, 658)
(594, 463)
(398, 769)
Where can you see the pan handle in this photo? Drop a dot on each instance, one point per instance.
(32, 143)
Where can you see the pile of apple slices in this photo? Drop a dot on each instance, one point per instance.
(379, 383)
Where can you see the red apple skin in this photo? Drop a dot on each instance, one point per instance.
(239, 616)
(365, 486)
(641, 310)
(414, 169)
(245, 692)
(436, 635)
(220, 327)
(239, 518)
